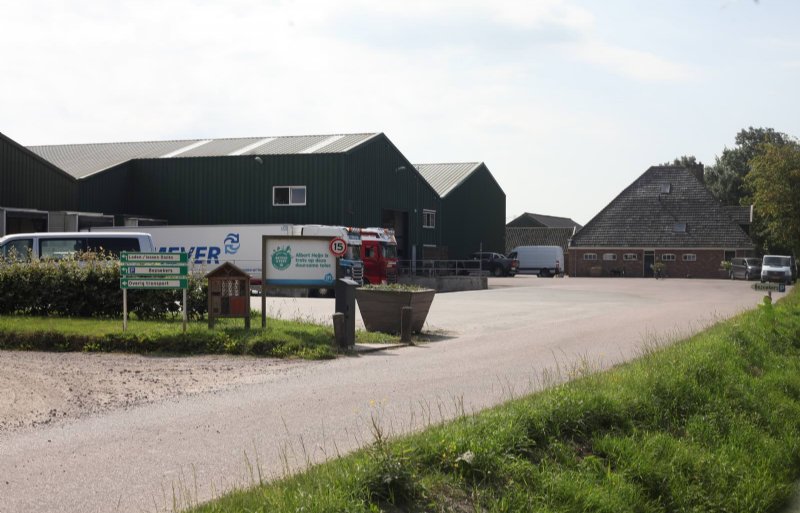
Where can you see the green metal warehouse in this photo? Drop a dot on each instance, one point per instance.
(348, 180)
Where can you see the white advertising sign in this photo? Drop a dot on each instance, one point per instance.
(300, 262)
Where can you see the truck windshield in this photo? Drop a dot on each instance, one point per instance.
(389, 251)
(777, 261)
(353, 253)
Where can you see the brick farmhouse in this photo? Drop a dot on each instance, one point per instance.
(667, 215)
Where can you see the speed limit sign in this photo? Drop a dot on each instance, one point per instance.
(338, 246)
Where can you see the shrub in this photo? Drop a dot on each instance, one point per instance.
(87, 285)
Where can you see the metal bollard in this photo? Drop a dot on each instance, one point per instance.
(405, 324)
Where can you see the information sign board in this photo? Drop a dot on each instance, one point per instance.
(130, 257)
(770, 287)
(153, 283)
(299, 262)
(154, 270)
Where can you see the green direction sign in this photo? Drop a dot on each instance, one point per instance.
(770, 287)
(153, 283)
(153, 258)
(153, 270)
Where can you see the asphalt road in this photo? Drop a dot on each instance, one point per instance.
(495, 344)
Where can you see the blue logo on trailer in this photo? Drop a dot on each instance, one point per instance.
(232, 244)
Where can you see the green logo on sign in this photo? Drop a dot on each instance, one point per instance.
(282, 258)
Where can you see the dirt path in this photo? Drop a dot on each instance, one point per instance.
(46, 388)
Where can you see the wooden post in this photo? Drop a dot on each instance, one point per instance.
(405, 324)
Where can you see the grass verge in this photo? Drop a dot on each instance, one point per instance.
(281, 338)
(709, 424)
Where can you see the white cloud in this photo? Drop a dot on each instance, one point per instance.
(636, 64)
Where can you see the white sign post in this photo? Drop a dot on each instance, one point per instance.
(153, 271)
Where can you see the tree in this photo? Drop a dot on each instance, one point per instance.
(691, 163)
(725, 179)
(774, 181)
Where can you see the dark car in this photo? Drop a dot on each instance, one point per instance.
(745, 268)
(494, 263)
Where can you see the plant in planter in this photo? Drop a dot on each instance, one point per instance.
(382, 305)
(658, 269)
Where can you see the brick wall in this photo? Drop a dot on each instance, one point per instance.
(612, 262)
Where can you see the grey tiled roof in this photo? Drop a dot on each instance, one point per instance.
(740, 215)
(644, 215)
(533, 220)
(81, 160)
(446, 177)
(537, 236)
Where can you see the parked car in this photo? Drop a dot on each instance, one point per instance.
(542, 260)
(495, 264)
(777, 268)
(745, 268)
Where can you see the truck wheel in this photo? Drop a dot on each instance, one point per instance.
(544, 273)
(497, 272)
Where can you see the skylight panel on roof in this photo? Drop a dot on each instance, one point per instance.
(679, 228)
(666, 188)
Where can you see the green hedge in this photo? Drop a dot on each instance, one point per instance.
(87, 286)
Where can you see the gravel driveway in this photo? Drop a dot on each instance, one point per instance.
(95, 432)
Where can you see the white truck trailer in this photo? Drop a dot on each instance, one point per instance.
(209, 246)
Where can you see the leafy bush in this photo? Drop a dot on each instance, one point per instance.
(87, 285)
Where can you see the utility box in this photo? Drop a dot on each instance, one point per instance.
(345, 290)
(228, 294)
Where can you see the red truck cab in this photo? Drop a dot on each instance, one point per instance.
(379, 254)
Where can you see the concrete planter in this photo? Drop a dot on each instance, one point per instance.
(381, 309)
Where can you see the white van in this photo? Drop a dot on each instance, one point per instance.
(542, 260)
(57, 245)
(777, 268)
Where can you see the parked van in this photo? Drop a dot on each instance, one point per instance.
(57, 245)
(745, 268)
(542, 260)
(777, 268)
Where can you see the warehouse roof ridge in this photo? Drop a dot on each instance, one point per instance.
(82, 160)
(444, 177)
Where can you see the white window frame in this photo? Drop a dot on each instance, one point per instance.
(667, 257)
(609, 257)
(428, 218)
(689, 257)
(291, 189)
(630, 257)
(590, 256)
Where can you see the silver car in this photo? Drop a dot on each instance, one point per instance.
(745, 268)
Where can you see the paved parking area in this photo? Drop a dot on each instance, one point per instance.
(526, 300)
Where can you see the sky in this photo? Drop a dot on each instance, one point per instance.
(566, 101)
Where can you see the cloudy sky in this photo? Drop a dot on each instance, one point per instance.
(566, 101)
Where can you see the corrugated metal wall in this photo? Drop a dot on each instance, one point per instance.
(27, 181)
(375, 183)
(108, 191)
(475, 214)
(236, 190)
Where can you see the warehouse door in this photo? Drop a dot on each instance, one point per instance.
(397, 220)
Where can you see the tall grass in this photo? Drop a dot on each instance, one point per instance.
(708, 424)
